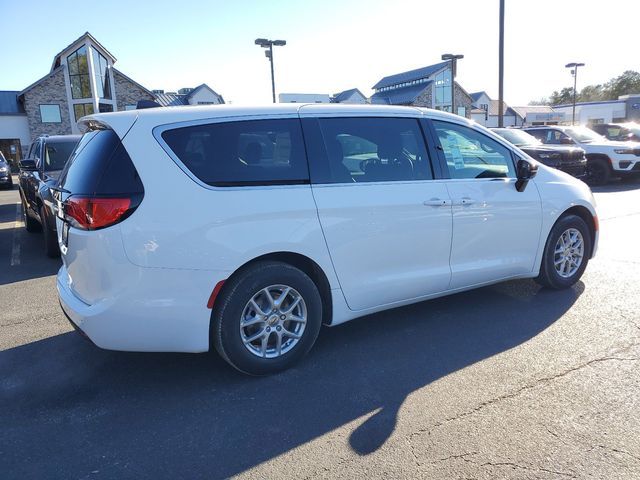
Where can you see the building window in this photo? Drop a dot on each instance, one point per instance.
(105, 107)
(82, 109)
(50, 114)
(130, 107)
(484, 106)
(443, 90)
(101, 74)
(79, 73)
(462, 111)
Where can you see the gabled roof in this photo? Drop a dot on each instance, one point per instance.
(56, 58)
(204, 86)
(476, 95)
(346, 94)
(400, 96)
(171, 99)
(9, 104)
(411, 75)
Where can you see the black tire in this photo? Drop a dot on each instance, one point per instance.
(51, 248)
(548, 276)
(233, 299)
(31, 224)
(598, 172)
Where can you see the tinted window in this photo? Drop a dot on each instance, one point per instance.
(100, 165)
(255, 152)
(57, 154)
(540, 134)
(471, 154)
(372, 150)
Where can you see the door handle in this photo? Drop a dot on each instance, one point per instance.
(436, 202)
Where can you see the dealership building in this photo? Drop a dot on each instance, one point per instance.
(82, 80)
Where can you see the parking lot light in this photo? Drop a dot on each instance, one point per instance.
(269, 44)
(574, 66)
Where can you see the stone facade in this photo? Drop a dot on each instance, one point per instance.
(425, 99)
(462, 99)
(127, 91)
(50, 91)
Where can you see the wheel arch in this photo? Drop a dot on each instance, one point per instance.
(585, 214)
(302, 262)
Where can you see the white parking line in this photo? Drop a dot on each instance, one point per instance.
(15, 249)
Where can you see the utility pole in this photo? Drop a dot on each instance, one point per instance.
(501, 68)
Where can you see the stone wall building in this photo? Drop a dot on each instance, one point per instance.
(82, 80)
(424, 87)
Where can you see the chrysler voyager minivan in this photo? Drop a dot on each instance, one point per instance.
(245, 229)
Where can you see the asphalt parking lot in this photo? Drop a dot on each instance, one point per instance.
(508, 381)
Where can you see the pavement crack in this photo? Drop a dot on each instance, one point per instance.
(531, 469)
(536, 383)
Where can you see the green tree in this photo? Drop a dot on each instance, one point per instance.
(628, 82)
(625, 84)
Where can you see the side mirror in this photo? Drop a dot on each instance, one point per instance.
(525, 171)
(28, 165)
(566, 141)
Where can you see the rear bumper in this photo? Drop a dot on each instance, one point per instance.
(161, 310)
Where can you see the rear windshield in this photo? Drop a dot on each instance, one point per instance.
(56, 154)
(254, 152)
(100, 165)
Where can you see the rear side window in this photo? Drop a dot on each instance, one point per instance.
(100, 165)
(56, 155)
(243, 153)
(369, 149)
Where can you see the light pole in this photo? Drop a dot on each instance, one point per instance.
(501, 68)
(453, 59)
(268, 44)
(574, 72)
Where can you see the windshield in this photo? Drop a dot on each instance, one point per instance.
(517, 137)
(584, 135)
(57, 154)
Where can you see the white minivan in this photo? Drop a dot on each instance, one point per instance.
(247, 228)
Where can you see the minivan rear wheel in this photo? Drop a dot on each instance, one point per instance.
(566, 253)
(267, 318)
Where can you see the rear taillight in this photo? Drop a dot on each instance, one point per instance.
(92, 213)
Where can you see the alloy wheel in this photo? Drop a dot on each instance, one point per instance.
(273, 321)
(568, 252)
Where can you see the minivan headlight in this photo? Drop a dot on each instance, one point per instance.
(3, 169)
(623, 151)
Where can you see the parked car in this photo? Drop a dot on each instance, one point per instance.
(571, 160)
(245, 229)
(6, 181)
(605, 159)
(38, 173)
(619, 132)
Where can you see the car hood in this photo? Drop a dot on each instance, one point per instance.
(550, 148)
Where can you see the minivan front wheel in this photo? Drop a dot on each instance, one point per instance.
(566, 253)
(267, 319)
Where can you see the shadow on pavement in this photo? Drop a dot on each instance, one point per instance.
(68, 409)
(31, 259)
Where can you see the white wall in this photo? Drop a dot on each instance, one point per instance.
(355, 98)
(604, 111)
(304, 98)
(15, 126)
(507, 120)
(483, 99)
(203, 95)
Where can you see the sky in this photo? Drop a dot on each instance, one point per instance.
(332, 45)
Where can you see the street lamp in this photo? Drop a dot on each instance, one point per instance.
(574, 72)
(269, 44)
(453, 59)
(501, 67)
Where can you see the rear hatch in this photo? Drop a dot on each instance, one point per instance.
(98, 188)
